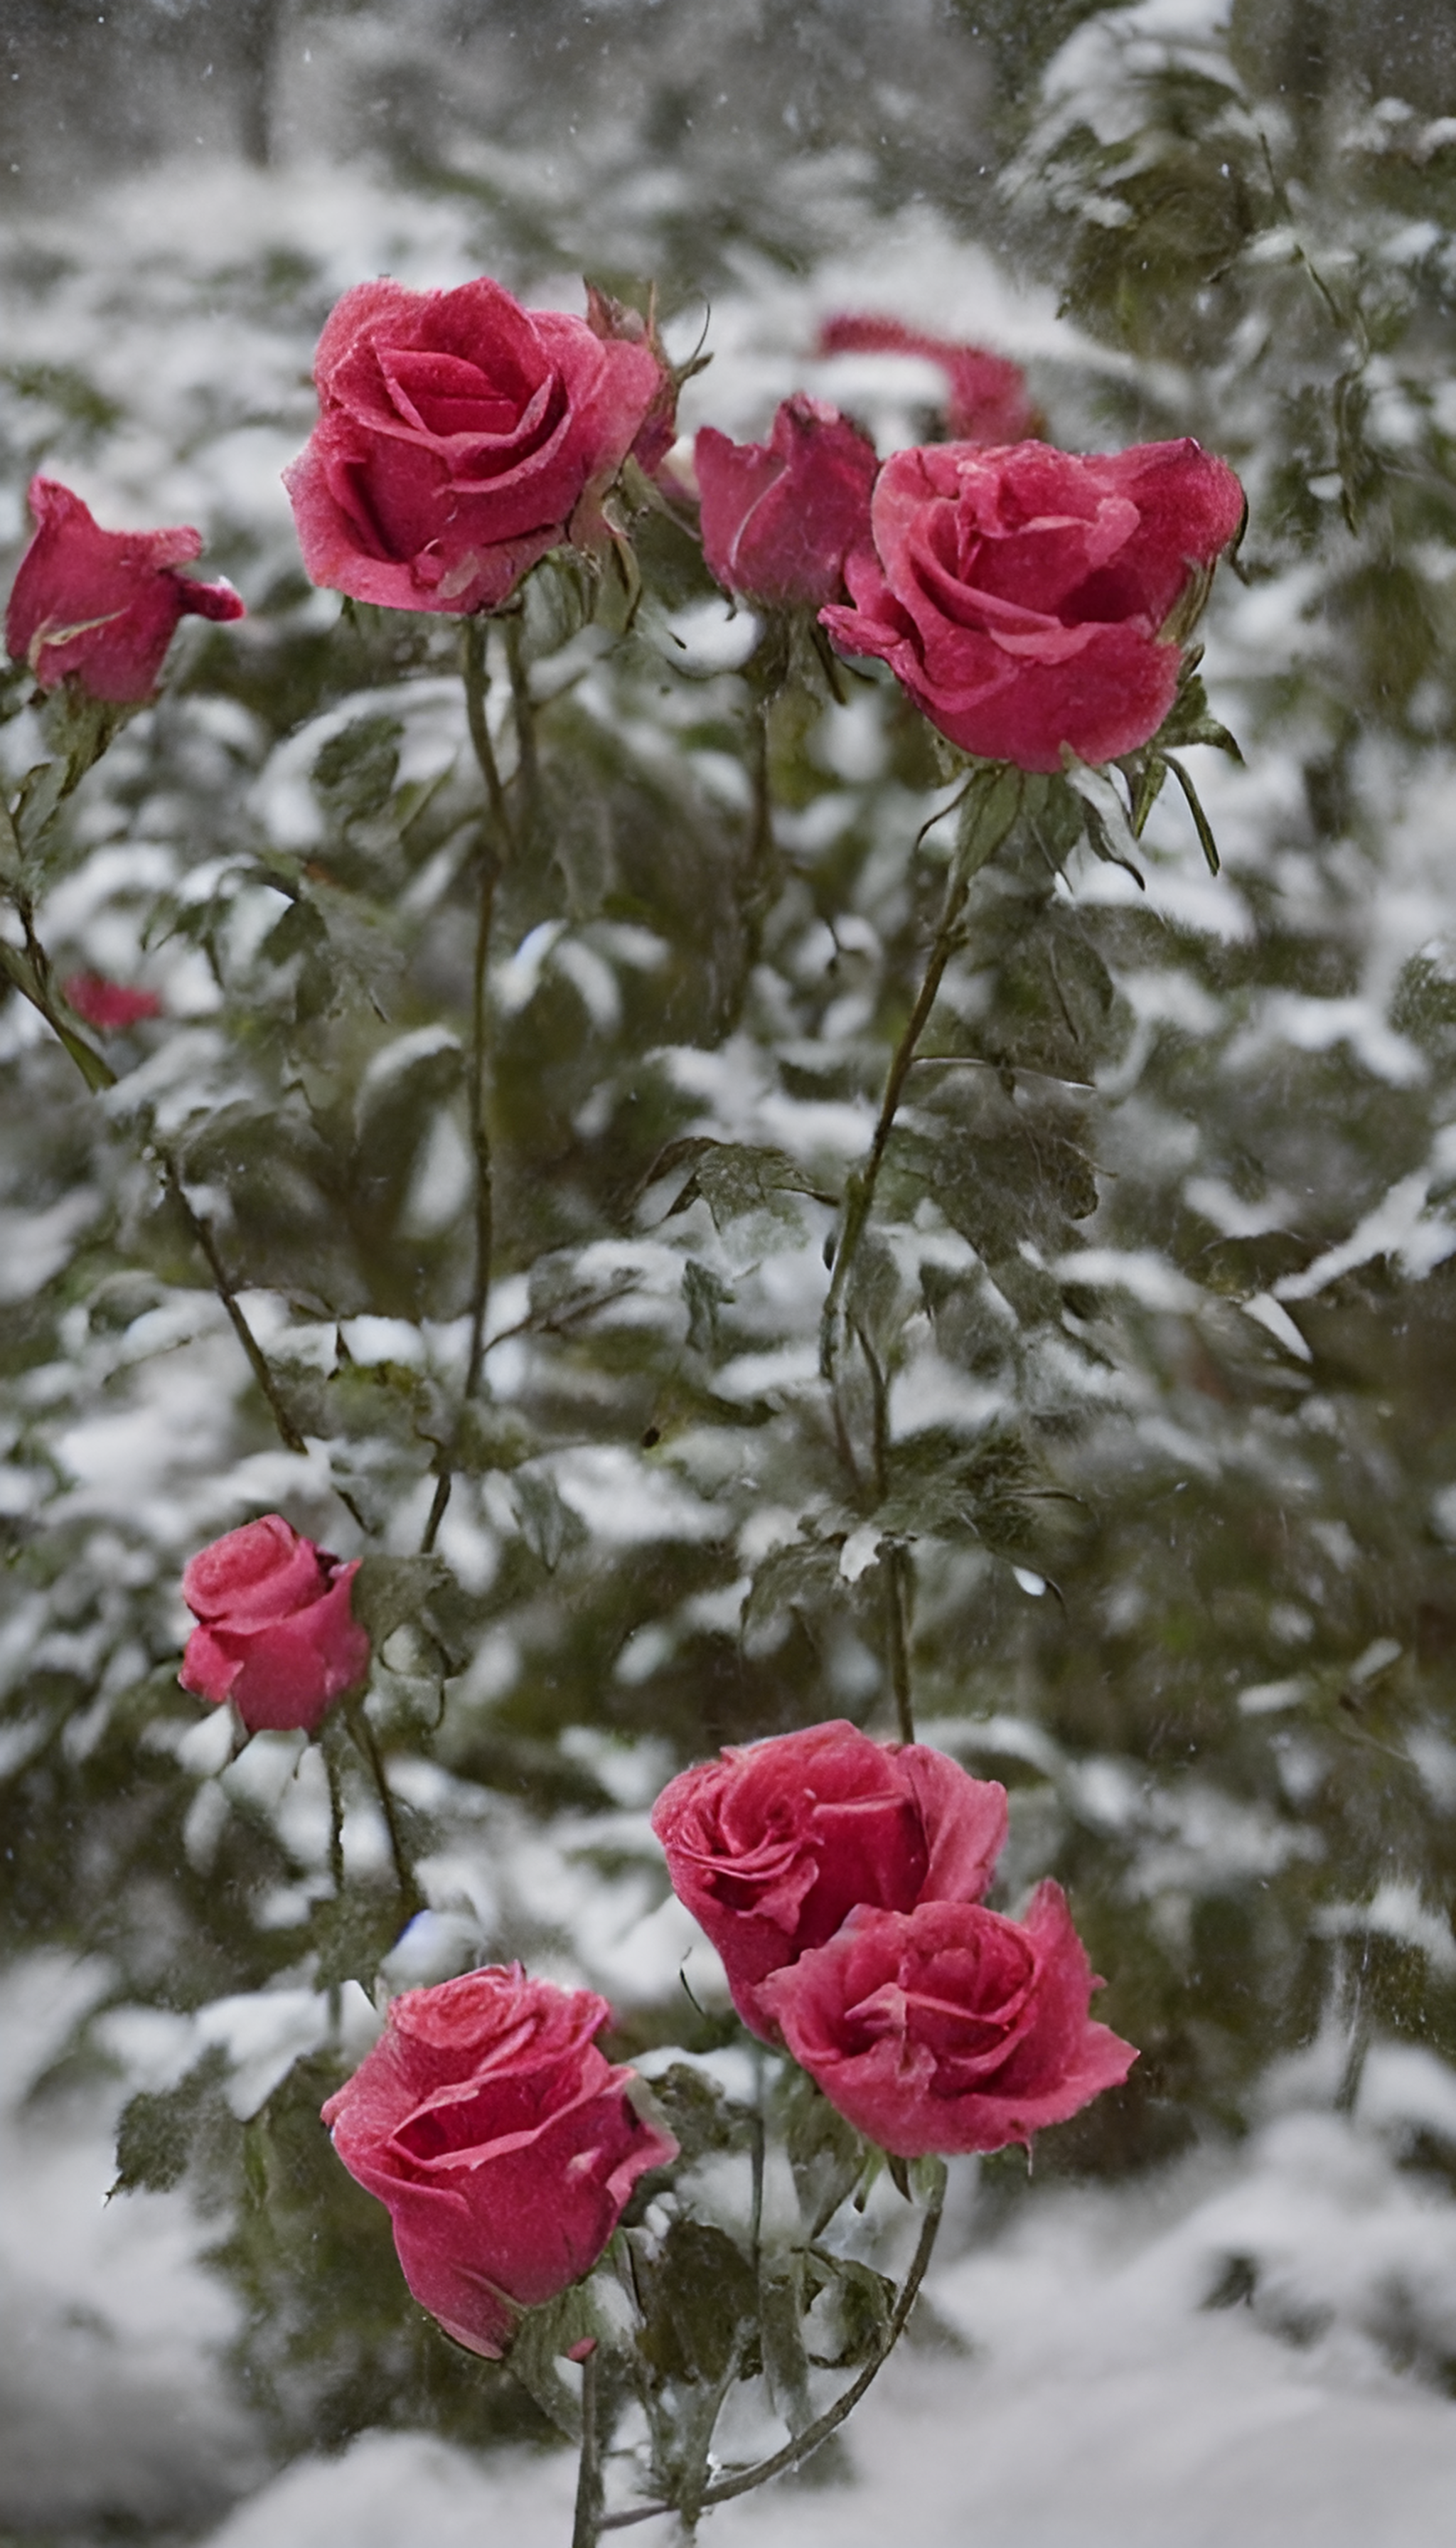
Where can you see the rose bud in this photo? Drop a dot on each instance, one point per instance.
(1023, 597)
(457, 435)
(108, 1005)
(504, 2142)
(616, 319)
(987, 396)
(781, 517)
(277, 1635)
(948, 2028)
(772, 1845)
(99, 607)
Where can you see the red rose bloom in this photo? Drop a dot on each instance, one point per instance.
(1022, 595)
(277, 1634)
(100, 606)
(779, 517)
(987, 396)
(457, 435)
(772, 1846)
(948, 2028)
(104, 1004)
(502, 2142)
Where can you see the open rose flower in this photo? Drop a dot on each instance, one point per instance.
(100, 607)
(457, 435)
(781, 517)
(986, 396)
(950, 2028)
(1023, 596)
(277, 1635)
(108, 1005)
(502, 2141)
(772, 1845)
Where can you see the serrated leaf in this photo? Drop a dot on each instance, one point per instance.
(352, 1933)
(782, 2340)
(158, 2127)
(704, 1293)
(541, 2341)
(697, 2112)
(549, 1525)
(390, 1591)
(699, 2298)
(825, 2153)
(799, 1570)
(41, 794)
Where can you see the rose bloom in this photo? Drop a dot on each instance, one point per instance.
(771, 1847)
(107, 1005)
(502, 2141)
(779, 517)
(277, 1635)
(1023, 597)
(986, 396)
(457, 435)
(100, 607)
(948, 2028)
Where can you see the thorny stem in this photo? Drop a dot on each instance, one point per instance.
(859, 1197)
(523, 712)
(899, 1574)
(495, 843)
(760, 862)
(201, 1232)
(586, 2526)
(364, 1736)
(744, 2480)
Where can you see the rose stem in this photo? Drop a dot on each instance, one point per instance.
(524, 714)
(744, 2480)
(586, 2526)
(335, 1861)
(364, 1736)
(860, 1192)
(494, 844)
(761, 865)
(984, 824)
(899, 1566)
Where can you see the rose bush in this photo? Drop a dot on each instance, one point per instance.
(277, 1635)
(986, 396)
(773, 1845)
(1023, 597)
(458, 433)
(950, 2028)
(100, 607)
(502, 2139)
(781, 517)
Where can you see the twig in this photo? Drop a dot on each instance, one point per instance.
(743, 2481)
(586, 2524)
(364, 1735)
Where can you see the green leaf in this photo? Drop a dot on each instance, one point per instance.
(352, 1933)
(699, 2298)
(704, 1294)
(543, 2339)
(158, 2128)
(781, 2339)
(824, 2152)
(697, 2112)
(35, 807)
(551, 1528)
(389, 1591)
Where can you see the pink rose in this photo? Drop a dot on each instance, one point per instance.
(277, 1634)
(948, 2028)
(779, 517)
(457, 435)
(100, 606)
(106, 1004)
(772, 1846)
(502, 2142)
(987, 396)
(1023, 597)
